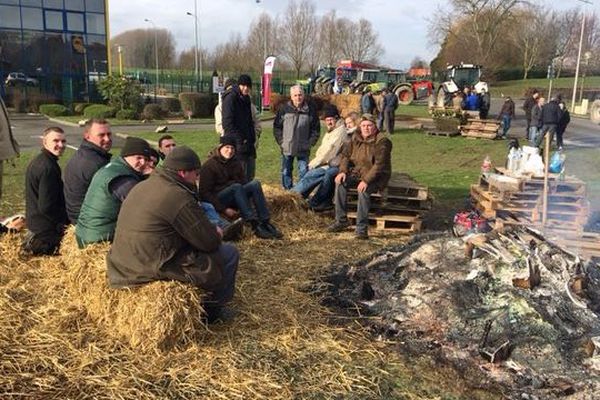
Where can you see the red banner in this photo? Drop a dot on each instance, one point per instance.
(266, 82)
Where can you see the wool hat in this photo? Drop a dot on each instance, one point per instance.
(330, 111)
(368, 117)
(135, 146)
(227, 140)
(182, 158)
(245, 80)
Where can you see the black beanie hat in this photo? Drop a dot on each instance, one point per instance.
(135, 146)
(182, 158)
(245, 80)
(330, 111)
(227, 140)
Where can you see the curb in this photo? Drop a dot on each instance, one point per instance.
(125, 136)
(62, 122)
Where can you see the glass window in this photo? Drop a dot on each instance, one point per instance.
(53, 4)
(33, 46)
(55, 50)
(96, 52)
(10, 43)
(35, 3)
(77, 5)
(54, 20)
(32, 18)
(95, 23)
(11, 2)
(94, 5)
(75, 22)
(10, 17)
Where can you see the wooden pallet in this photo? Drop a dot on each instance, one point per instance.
(478, 134)
(442, 133)
(394, 223)
(391, 204)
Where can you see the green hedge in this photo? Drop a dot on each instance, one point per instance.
(198, 105)
(126, 114)
(54, 110)
(79, 108)
(99, 111)
(153, 111)
(170, 105)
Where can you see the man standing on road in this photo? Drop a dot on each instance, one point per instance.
(506, 115)
(296, 129)
(109, 187)
(484, 104)
(551, 115)
(45, 211)
(93, 154)
(365, 165)
(238, 123)
(390, 103)
(528, 105)
(163, 234)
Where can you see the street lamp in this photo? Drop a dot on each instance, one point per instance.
(579, 55)
(586, 56)
(196, 63)
(260, 70)
(155, 54)
(120, 51)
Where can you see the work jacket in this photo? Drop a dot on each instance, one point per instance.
(368, 160)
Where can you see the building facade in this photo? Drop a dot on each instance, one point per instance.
(53, 48)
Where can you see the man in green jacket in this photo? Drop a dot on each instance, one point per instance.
(163, 234)
(365, 165)
(109, 187)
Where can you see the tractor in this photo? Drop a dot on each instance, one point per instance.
(324, 80)
(394, 80)
(457, 78)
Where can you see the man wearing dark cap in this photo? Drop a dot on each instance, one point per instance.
(323, 168)
(163, 234)
(109, 187)
(224, 185)
(238, 123)
(365, 165)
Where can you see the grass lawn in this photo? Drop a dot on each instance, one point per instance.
(516, 89)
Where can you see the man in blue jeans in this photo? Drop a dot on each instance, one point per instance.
(296, 129)
(324, 166)
(223, 184)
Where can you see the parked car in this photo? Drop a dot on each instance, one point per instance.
(16, 78)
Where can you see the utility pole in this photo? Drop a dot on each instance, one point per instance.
(155, 55)
(196, 63)
(579, 55)
(120, 51)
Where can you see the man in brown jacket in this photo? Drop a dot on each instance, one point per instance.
(365, 165)
(163, 234)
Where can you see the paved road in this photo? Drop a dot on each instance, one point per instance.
(580, 133)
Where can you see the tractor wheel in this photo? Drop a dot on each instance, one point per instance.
(595, 112)
(360, 88)
(328, 88)
(318, 88)
(405, 95)
(346, 89)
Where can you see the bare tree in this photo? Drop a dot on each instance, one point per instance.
(262, 39)
(359, 40)
(330, 39)
(298, 33)
(139, 50)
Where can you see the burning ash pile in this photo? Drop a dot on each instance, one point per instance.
(508, 310)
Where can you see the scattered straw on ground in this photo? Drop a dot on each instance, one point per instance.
(66, 335)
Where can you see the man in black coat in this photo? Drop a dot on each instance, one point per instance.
(551, 116)
(238, 123)
(44, 200)
(528, 105)
(93, 154)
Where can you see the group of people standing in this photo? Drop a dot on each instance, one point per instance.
(544, 118)
(173, 222)
(384, 106)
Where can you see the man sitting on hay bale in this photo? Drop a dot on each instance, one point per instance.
(163, 234)
(365, 165)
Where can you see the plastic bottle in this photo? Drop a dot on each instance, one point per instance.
(511, 160)
(486, 166)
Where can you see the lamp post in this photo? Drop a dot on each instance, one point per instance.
(196, 63)
(260, 70)
(586, 56)
(155, 54)
(579, 55)
(120, 51)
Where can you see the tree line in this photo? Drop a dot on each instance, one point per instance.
(300, 38)
(513, 34)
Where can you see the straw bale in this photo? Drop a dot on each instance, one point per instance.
(346, 103)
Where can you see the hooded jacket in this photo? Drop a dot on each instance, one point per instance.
(551, 113)
(218, 173)
(296, 130)
(330, 146)
(237, 120)
(368, 160)
(159, 221)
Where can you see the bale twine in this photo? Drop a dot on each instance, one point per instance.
(157, 316)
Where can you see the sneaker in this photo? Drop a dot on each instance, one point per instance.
(233, 231)
(338, 226)
(362, 235)
(276, 233)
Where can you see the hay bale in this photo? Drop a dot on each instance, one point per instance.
(346, 103)
(158, 316)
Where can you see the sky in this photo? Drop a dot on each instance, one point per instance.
(402, 25)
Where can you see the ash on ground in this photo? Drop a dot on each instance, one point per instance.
(521, 316)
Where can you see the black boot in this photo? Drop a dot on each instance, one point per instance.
(269, 227)
(259, 230)
(233, 231)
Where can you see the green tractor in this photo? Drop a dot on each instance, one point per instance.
(376, 80)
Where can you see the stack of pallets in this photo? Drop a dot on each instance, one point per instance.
(399, 208)
(480, 128)
(568, 208)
